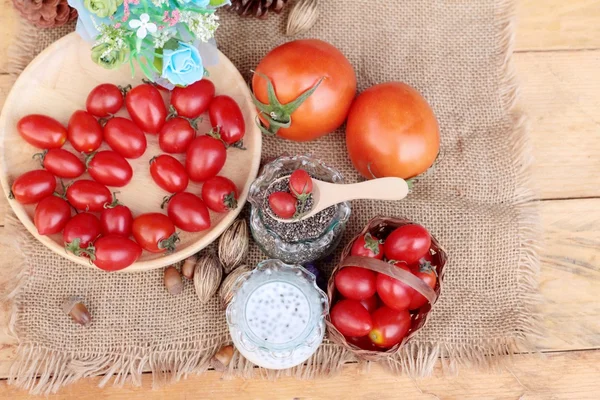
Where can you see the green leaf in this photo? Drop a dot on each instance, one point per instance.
(217, 3)
(172, 44)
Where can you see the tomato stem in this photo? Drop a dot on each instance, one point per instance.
(41, 156)
(371, 243)
(125, 89)
(115, 201)
(172, 112)
(169, 244)
(166, 200)
(75, 248)
(230, 201)
(89, 158)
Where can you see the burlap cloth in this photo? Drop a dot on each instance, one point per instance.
(457, 53)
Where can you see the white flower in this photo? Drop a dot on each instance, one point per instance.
(203, 26)
(163, 37)
(143, 25)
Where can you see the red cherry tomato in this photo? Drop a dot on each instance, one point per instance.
(84, 132)
(301, 184)
(426, 273)
(283, 204)
(33, 186)
(62, 163)
(42, 131)
(407, 243)
(88, 195)
(176, 135)
(124, 137)
(80, 232)
(104, 100)
(370, 303)
(227, 119)
(355, 283)
(362, 342)
(188, 212)
(113, 252)
(116, 219)
(51, 215)
(168, 173)
(205, 157)
(109, 168)
(351, 318)
(389, 326)
(220, 194)
(393, 293)
(146, 108)
(155, 232)
(367, 246)
(193, 100)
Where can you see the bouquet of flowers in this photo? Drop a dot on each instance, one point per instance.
(171, 40)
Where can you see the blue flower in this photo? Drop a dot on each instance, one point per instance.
(182, 66)
(196, 3)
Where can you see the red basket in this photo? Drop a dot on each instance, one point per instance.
(381, 227)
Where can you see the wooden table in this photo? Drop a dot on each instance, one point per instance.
(558, 62)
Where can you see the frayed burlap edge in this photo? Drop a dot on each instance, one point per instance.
(55, 368)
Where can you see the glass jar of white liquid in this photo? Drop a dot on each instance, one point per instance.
(277, 315)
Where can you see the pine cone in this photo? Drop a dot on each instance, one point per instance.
(45, 13)
(256, 8)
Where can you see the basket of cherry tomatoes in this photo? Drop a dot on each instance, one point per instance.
(384, 287)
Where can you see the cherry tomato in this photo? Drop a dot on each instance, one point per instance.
(355, 283)
(104, 100)
(283, 204)
(205, 157)
(176, 135)
(146, 108)
(33, 186)
(392, 131)
(351, 318)
(301, 184)
(389, 326)
(362, 342)
(113, 253)
(220, 194)
(295, 68)
(370, 303)
(168, 173)
(80, 232)
(42, 131)
(407, 243)
(124, 137)
(88, 195)
(51, 215)
(188, 212)
(116, 219)
(227, 119)
(367, 245)
(109, 168)
(193, 100)
(426, 273)
(155, 232)
(61, 163)
(84, 132)
(392, 292)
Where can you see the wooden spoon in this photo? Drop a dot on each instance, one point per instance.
(327, 194)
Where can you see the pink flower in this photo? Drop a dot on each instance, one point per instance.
(173, 19)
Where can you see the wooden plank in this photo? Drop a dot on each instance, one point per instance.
(558, 24)
(8, 30)
(571, 375)
(561, 95)
(569, 280)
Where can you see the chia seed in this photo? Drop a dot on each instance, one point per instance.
(293, 232)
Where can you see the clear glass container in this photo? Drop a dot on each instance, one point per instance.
(318, 235)
(277, 315)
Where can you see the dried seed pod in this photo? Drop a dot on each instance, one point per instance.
(188, 267)
(302, 17)
(173, 281)
(74, 307)
(222, 358)
(207, 277)
(233, 245)
(226, 291)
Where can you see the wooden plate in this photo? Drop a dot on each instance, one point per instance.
(57, 83)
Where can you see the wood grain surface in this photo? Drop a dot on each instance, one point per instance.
(558, 64)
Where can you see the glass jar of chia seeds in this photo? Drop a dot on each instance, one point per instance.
(276, 317)
(302, 241)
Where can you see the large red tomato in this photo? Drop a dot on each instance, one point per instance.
(84, 132)
(188, 212)
(124, 137)
(86, 194)
(392, 131)
(389, 326)
(155, 232)
(61, 163)
(356, 283)
(42, 131)
(112, 252)
(109, 168)
(205, 157)
(146, 108)
(33, 186)
(393, 293)
(295, 68)
(51, 215)
(408, 243)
